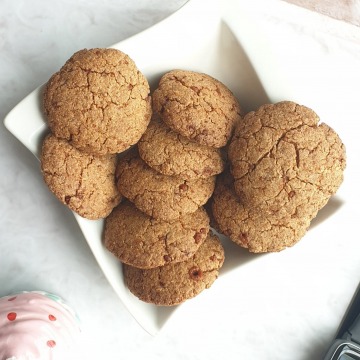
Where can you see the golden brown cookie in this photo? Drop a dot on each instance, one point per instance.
(157, 195)
(83, 182)
(197, 106)
(99, 101)
(144, 242)
(172, 284)
(172, 154)
(280, 149)
(258, 229)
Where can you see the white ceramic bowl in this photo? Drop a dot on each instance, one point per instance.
(224, 40)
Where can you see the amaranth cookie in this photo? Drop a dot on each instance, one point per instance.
(99, 101)
(83, 182)
(280, 152)
(197, 106)
(144, 242)
(173, 154)
(172, 284)
(257, 228)
(160, 196)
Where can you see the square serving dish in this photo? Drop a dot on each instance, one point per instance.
(227, 41)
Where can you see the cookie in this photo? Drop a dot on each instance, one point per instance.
(172, 284)
(157, 195)
(173, 154)
(99, 101)
(197, 106)
(269, 226)
(144, 242)
(83, 182)
(280, 151)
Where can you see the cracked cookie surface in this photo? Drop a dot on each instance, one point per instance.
(99, 101)
(144, 242)
(197, 106)
(258, 229)
(83, 182)
(173, 154)
(280, 152)
(160, 196)
(172, 284)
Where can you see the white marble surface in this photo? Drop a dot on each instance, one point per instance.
(288, 310)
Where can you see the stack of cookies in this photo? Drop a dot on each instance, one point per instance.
(161, 231)
(284, 168)
(97, 105)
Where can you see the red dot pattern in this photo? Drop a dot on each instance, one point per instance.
(11, 316)
(51, 343)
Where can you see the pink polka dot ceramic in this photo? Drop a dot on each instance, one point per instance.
(36, 325)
